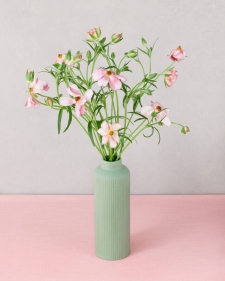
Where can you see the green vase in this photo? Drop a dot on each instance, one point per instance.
(112, 210)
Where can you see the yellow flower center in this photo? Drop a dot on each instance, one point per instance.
(158, 108)
(60, 56)
(111, 133)
(179, 48)
(108, 73)
(31, 90)
(77, 99)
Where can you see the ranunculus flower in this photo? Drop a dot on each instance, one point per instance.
(170, 77)
(31, 102)
(38, 86)
(177, 54)
(78, 99)
(109, 133)
(157, 107)
(60, 59)
(94, 34)
(107, 76)
(117, 37)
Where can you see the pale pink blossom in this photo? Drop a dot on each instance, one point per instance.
(109, 133)
(77, 99)
(177, 54)
(38, 86)
(156, 107)
(60, 59)
(31, 102)
(107, 76)
(170, 77)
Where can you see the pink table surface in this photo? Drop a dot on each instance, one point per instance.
(51, 237)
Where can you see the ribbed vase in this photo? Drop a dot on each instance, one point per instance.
(112, 210)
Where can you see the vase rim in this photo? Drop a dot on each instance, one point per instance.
(111, 165)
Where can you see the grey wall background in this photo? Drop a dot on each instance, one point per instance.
(35, 159)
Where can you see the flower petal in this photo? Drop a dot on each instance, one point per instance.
(66, 101)
(98, 74)
(166, 122)
(88, 94)
(105, 126)
(73, 90)
(105, 139)
(102, 132)
(147, 111)
(122, 78)
(112, 142)
(115, 83)
(102, 82)
(116, 136)
(116, 126)
(79, 110)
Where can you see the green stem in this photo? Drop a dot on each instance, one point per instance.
(134, 137)
(141, 66)
(80, 124)
(121, 61)
(117, 106)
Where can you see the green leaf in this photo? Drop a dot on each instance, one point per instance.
(150, 134)
(102, 41)
(143, 51)
(138, 119)
(113, 56)
(143, 41)
(90, 132)
(125, 137)
(97, 109)
(112, 117)
(88, 55)
(60, 119)
(146, 91)
(158, 134)
(152, 76)
(69, 118)
(139, 114)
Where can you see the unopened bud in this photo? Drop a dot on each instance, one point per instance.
(131, 54)
(29, 76)
(49, 101)
(117, 37)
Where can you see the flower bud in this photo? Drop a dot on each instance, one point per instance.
(29, 76)
(185, 130)
(94, 34)
(77, 57)
(88, 55)
(117, 37)
(49, 101)
(68, 57)
(131, 54)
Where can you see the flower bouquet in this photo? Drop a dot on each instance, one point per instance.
(112, 115)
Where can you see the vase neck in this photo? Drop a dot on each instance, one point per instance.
(111, 165)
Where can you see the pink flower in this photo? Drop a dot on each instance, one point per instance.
(156, 107)
(31, 102)
(109, 133)
(60, 59)
(107, 76)
(177, 54)
(78, 99)
(38, 86)
(170, 77)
